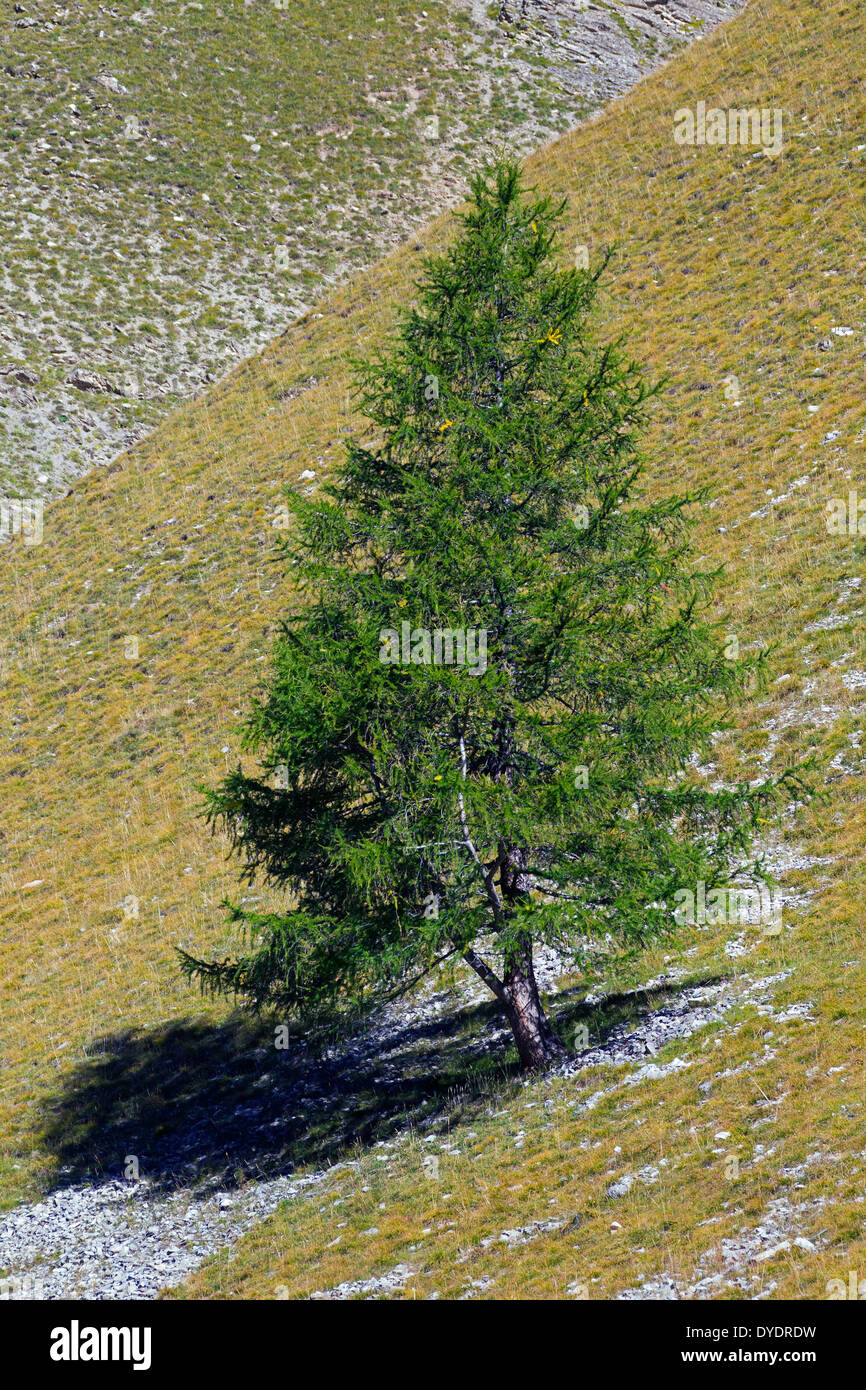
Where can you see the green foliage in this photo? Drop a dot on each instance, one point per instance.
(540, 792)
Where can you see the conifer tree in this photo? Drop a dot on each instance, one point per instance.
(477, 730)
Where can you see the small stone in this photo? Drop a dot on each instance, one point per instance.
(621, 1187)
(111, 84)
(91, 381)
(22, 375)
(773, 1252)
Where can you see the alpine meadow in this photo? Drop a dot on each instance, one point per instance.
(431, 756)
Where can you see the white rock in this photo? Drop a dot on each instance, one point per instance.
(773, 1251)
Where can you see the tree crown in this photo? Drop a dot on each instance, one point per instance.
(480, 719)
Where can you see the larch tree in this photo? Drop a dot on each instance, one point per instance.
(499, 663)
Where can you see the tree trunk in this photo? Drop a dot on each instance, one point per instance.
(537, 1044)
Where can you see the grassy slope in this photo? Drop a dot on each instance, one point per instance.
(729, 264)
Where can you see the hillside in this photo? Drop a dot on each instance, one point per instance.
(716, 1120)
(181, 180)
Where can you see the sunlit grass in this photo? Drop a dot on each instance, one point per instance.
(728, 264)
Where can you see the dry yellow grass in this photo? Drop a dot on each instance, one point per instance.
(729, 264)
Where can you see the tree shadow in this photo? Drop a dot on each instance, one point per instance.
(196, 1103)
(613, 1011)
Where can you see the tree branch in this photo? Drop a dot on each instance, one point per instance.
(489, 885)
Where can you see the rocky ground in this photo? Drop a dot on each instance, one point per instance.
(177, 182)
(226, 1164)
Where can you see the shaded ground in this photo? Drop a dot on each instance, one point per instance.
(175, 1141)
(194, 1103)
